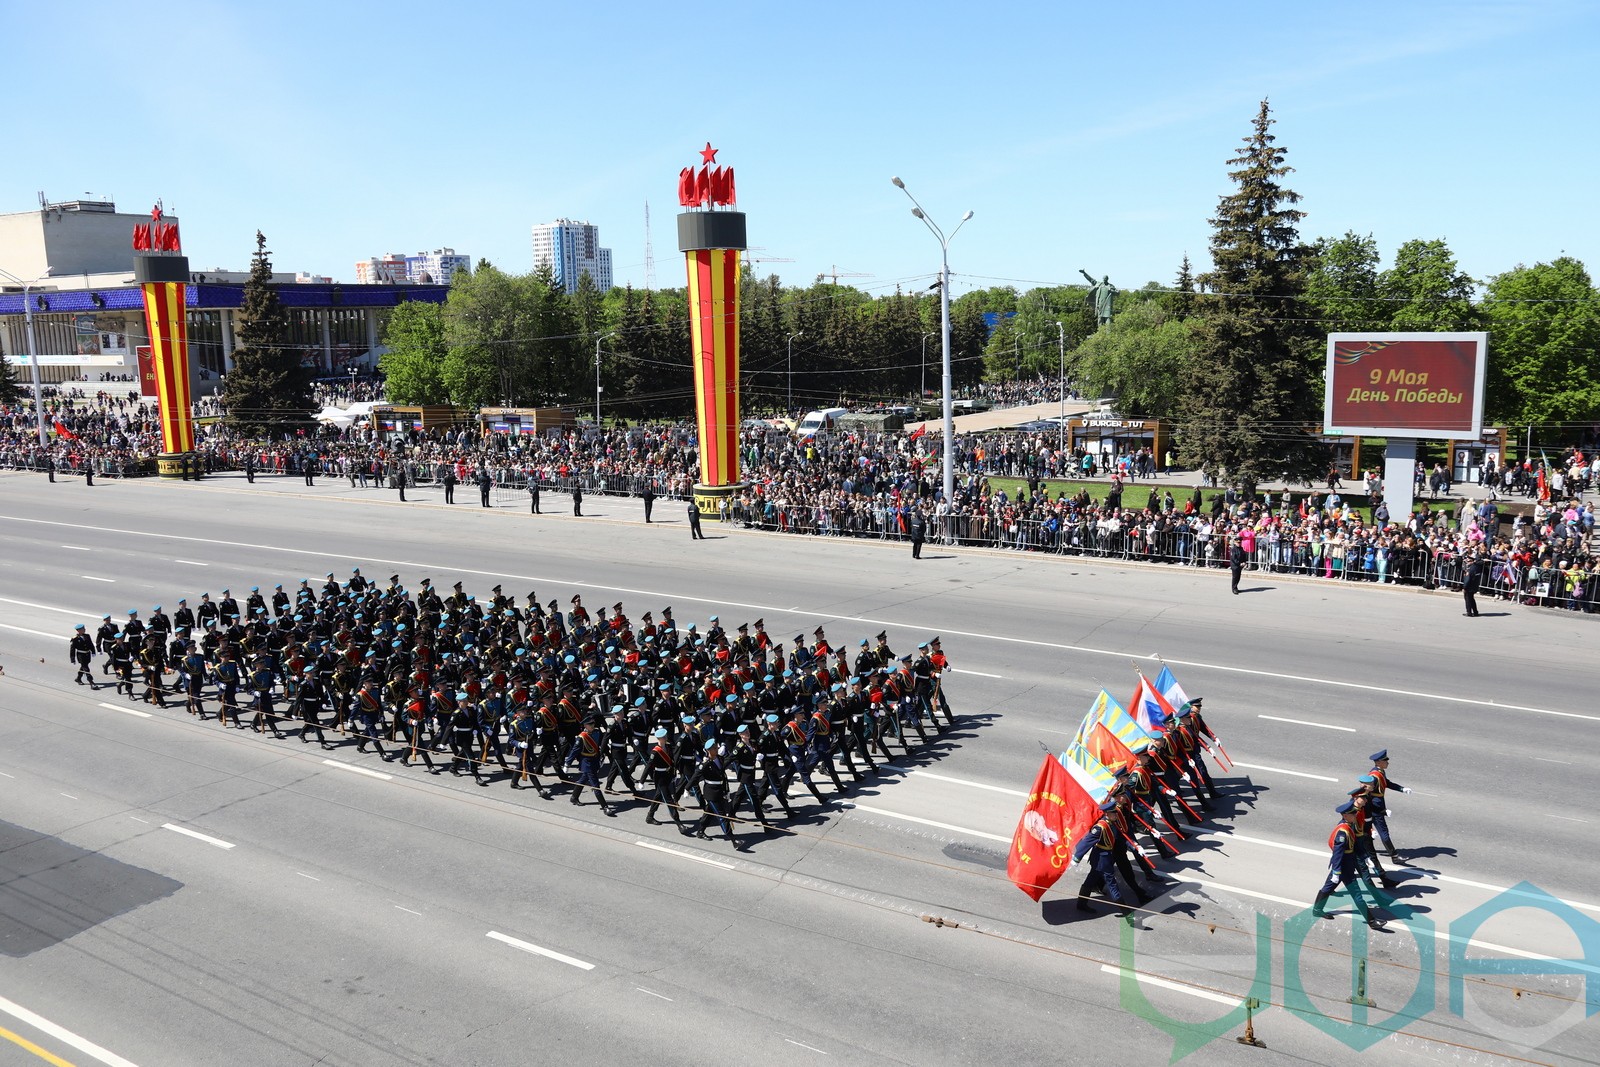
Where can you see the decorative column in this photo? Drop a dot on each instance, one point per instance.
(163, 275)
(711, 236)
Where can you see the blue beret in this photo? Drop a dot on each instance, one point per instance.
(1366, 779)
(772, 718)
(660, 732)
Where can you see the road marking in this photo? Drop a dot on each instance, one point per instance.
(136, 818)
(926, 822)
(69, 796)
(1164, 983)
(49, 607)
(185, 831)
(1280, 770)
(975, 785)
(76, 548)
(652, 846)
(7, 775)
(191, 563)
(25, 630)
(798, 610)
(135, 712)
(1564, 763)
(28, 1046)
(93, 578)
(1263, 841)
(653, 993)
(1422, 740)
(407, 910)
(527, 946)
(980, 674)
(1302, 722)
(802, 1044)
(303, 874)
(62, 1034)
(353, 769)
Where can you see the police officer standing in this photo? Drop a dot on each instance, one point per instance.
(694, 523)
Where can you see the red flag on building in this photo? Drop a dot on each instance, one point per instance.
(686, 193)
(1058, 809)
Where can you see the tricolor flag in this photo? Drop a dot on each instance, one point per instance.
(1168, 686)
(1058, 811)
(1096, 779)
(1149, 708)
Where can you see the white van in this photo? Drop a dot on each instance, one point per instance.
(824, 419)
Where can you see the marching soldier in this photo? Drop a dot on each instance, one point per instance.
(1099, 843)
(1342, 868)
(80, 651)
(104, 638)
(660, 765)
(586, 753)
(1380, 809)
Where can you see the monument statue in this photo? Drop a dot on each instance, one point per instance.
(1100, 294)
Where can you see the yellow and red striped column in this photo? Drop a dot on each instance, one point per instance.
(711, 242)
(714, 334)
(167, 317)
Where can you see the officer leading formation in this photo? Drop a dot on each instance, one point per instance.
(713, 727)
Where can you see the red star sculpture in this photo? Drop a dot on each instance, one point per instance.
(155, 213)
(708, 154)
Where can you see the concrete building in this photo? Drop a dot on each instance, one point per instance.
(387, 269)
(88, 315)
(571, 250)
(436, 267)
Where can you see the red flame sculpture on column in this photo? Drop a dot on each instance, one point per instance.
(711, 235)
(163, 275)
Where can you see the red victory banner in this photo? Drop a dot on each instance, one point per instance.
(1405, 384)
(1058, 810)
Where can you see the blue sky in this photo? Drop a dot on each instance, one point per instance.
(1081, 135)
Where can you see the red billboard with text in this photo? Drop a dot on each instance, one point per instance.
(1405, 384)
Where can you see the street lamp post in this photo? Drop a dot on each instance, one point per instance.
(597, 341)
(1061, 386)
(948, 462)
(792, 336)
(33, 351)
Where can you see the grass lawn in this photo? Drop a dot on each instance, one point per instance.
(1135, 493)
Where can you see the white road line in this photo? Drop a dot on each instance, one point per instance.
(652, 846)
(303, 874)
(191, 563)
(1568, 818)
(1423, 740)
(1177, 987)
(93, 578)
(407, 910)
(185, 831)
(1262, 841)
(49, 607)
(62, 1034)
(76, 548)
(802, 1044)
(3, 774)
(527, 946)
(653, 993)
(980, 674)
(927, 822)
(1564, 763)
(1280, 770)
(136, 818)
(798, 610)
(962, 781)
(1302, 722)
(25, 630)
(353, 769)
(135, 712)
(69, 796)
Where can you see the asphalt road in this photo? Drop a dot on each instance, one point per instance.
(327, 915)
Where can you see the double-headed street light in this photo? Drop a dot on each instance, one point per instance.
(1061, 341)
(948, 463)
(33, 351)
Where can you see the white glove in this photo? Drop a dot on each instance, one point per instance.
(1406, 790)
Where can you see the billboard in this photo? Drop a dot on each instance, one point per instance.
(1405, 384)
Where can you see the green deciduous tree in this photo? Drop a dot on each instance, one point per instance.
(1142, 358)
(1342, 284)
(1544, 345)
(268, 391)
(413, 366)
(1426, 290)
(1251, 396)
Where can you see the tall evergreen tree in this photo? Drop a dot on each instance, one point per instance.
(268, 392)
(10, 391)
(1182, 302)
(1252, 393)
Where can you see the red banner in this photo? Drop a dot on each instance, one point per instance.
(1405, 384)
(1058, 810)
(147, 371)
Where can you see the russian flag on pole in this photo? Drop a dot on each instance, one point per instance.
(1150, 709)
(1116, 719)
(1169, 688)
